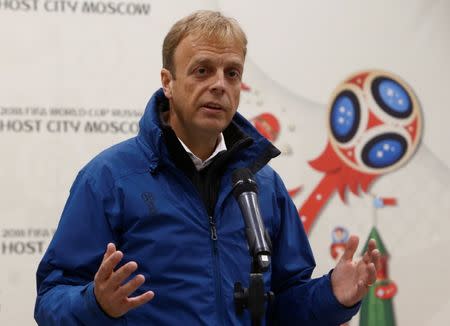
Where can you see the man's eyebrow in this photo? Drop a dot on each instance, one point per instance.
(200, 60)
(236, 64)
(206, 60)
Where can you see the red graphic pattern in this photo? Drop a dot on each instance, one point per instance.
(338, 176)
(339, 163)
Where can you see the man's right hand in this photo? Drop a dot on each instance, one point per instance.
(109, 288)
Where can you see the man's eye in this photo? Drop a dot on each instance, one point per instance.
(234, 74)
(201, 71)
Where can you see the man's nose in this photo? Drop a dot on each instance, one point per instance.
(218, 83)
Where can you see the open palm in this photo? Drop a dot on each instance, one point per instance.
(351, 279)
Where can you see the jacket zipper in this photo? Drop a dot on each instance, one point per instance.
(212, 225)
(216, 270)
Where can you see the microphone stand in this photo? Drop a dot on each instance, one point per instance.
(245, 190)
(254, 297)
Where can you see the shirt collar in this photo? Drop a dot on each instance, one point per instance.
(199, 164)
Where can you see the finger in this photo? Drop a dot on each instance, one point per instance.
(371, 249)
(128, 288)
(363, 287)
(110, 249)
(372, 274)
(376, 259)
(372, 245)
(120, 275)
(106, 268)
(350, 248)
(135, 302)
(366, 257)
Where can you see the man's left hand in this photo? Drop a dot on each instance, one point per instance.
(350, 279)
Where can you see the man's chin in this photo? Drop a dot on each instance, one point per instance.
(211, 129)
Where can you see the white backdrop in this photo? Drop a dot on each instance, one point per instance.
(74, 79)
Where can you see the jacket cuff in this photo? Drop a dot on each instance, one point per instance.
(91, 313)
(331, 310)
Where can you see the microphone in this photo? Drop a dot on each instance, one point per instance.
(245, 190)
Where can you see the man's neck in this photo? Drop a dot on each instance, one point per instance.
(200, 146)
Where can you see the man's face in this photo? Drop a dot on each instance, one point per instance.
(204, 95)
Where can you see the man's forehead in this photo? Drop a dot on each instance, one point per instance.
(215, 42)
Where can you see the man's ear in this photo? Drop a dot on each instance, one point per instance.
(166, 81)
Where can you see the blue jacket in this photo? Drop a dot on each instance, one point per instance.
(132, 194)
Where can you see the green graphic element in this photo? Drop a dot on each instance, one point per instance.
(374, 310)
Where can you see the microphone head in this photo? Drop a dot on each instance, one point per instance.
(243, 181)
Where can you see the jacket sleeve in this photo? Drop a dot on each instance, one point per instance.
(300, 300)
(65, 274)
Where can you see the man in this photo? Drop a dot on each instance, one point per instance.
(164, 199)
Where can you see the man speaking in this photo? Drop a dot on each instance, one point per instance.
(152, 234)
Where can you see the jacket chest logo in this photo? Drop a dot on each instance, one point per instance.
(147, 197)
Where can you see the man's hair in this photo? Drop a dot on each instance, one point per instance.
(204, 24)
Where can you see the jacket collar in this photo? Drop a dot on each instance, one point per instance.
(151, 138)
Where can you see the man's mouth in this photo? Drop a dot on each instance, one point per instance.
(213, 106)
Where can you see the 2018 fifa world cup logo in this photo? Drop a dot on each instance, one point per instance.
(374, 127)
